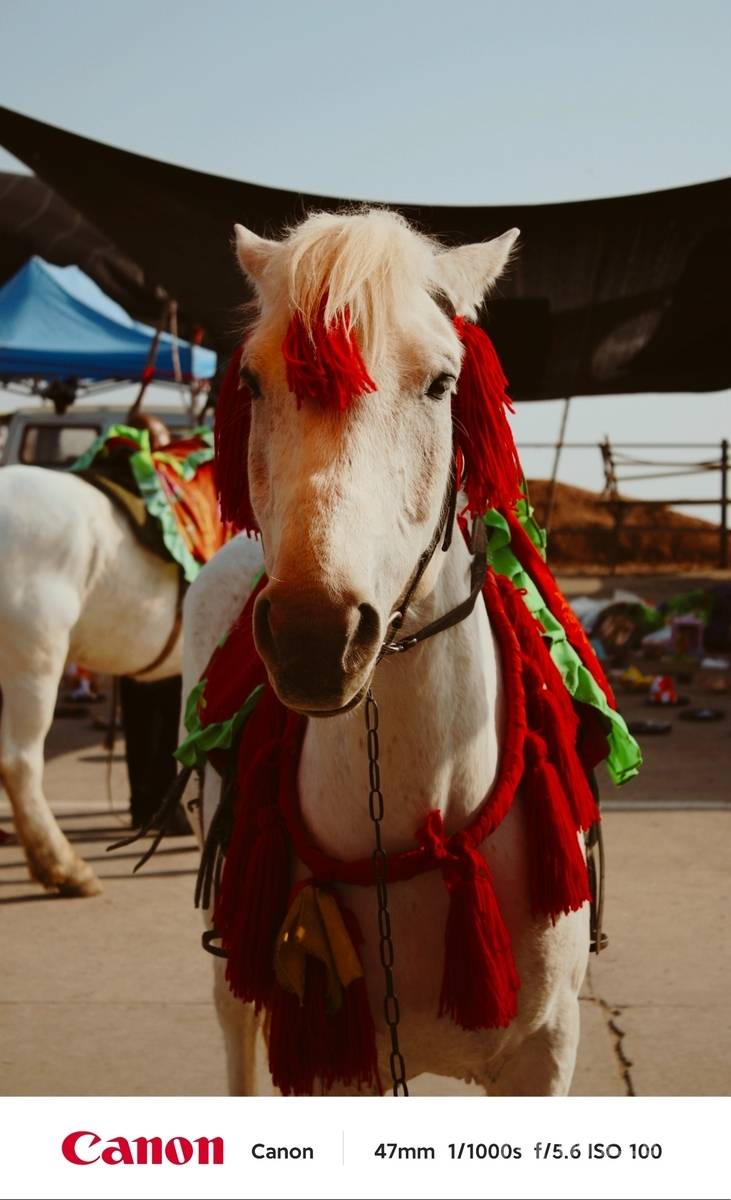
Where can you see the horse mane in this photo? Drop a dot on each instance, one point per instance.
(355, 269)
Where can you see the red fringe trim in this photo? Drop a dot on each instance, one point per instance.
(492, 473)
(479, 979)
(308, 1045)
(252, 901)
(551, 711)
(231, 438)
(562, 742)
(558, 876)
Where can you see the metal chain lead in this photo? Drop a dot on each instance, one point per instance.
(391, 1009)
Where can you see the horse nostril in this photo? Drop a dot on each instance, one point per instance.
(365, 636)
(262, 628)
(369, 626)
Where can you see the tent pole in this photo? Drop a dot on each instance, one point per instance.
(724, 505)
(556, 458)
(149, 369)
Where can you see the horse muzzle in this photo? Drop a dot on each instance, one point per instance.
(319, 650)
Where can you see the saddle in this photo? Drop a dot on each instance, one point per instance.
(166, 495)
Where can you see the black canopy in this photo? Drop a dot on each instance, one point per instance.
(35, 220)
(622, 295)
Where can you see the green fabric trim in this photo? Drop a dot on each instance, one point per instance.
(195, 701)
(142, 466)
(140, 436)
(624, 758)
(193, 751)
(524, 511)
(158, 506)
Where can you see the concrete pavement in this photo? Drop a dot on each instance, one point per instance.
(112, 995)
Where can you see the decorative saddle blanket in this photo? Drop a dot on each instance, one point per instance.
(293, 950)
(168, 496)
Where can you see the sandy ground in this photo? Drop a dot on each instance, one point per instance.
(112, 995)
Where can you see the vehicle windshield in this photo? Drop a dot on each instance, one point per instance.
(56, 445)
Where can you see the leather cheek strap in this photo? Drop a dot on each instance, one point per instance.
(478, 570)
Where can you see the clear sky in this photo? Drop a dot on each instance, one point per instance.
(471, 101)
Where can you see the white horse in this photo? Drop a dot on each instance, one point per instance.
(74, 583)
(346, 503)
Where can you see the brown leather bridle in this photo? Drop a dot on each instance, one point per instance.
(478, 570)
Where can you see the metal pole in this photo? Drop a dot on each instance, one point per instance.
(554, 473)
(724, 504)
(151, 356)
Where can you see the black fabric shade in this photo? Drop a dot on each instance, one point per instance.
(36, 220)
(628, 294)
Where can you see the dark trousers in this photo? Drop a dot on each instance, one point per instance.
(150, 716)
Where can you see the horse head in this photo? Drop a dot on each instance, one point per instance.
(349, 372)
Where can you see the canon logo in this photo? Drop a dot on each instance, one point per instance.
(83, 1148)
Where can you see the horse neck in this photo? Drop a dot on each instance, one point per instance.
(439, 722)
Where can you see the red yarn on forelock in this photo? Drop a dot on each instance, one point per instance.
(492, 475)
(324, 362)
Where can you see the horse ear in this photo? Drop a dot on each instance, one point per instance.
(466, 273)
(253, 252)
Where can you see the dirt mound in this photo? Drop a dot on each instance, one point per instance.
(584, 533)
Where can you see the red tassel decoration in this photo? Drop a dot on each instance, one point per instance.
(252, 903)
(231, 436)
(300, 1042)
(492, 473)
(479, 981)
(561, 742)
(591, 745)
(324, 362)
(309, 1045)
(356, 1035)
(558, 875)
(551, 712)
(254, 893)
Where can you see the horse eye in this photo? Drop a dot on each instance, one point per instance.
(440, 386)
(251, 381)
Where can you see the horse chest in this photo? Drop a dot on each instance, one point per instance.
(419, 772)
(418, 911)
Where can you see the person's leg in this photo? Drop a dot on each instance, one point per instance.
(150, 716)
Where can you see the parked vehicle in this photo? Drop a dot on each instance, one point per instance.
(44, 438)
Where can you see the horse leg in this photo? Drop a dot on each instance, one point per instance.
(543, 1064)
(28, 703)
(243, 1035)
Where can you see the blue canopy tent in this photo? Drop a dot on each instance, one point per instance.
(56, 323)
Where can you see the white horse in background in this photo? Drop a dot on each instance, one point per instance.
(346, 503)
(74, 584)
